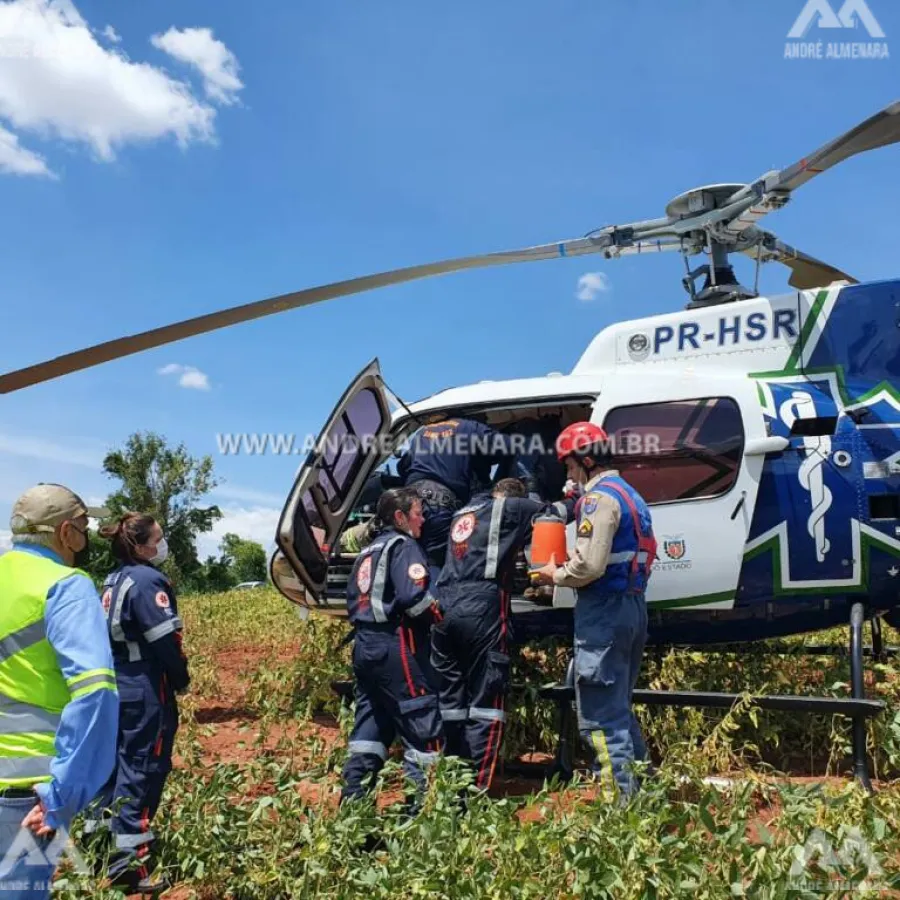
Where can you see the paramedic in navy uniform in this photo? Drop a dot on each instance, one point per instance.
(391, 610)
(446, 461)
(470, 644)
(145, 633)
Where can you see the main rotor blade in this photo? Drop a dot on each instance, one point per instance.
(807, 272)
(115, 349)
(773, 189)
(877, 131)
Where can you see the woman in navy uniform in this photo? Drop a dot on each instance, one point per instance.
(391, 610)
(146, 637)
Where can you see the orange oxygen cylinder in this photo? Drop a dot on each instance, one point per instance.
(548, 538)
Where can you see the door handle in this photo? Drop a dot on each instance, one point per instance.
(740, 503)
(762, 446)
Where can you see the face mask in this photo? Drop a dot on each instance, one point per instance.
(162, 551)
(83, 556)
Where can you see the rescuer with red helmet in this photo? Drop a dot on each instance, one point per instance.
(609, 568)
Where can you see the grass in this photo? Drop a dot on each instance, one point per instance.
(250, 809)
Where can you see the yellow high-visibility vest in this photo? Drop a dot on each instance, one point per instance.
(33, 689)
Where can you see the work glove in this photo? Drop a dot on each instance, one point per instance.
(572, 490)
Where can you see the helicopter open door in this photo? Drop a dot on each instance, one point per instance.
(696, 457)
(327, 485)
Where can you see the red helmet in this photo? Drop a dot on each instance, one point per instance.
(583, 439)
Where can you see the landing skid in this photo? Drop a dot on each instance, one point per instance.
(856, 707)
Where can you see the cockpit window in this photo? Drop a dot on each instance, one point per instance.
(679, 450)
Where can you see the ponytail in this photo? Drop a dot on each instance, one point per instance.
(131, 531)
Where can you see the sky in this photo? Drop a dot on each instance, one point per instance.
(163, 160)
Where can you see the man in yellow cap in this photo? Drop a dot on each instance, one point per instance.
(58, 699)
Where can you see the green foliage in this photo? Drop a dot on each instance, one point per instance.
(101, 561)
(214, 575)
(246, 559)
(300, 685)
(240, 560)
(168, 484)
(268, 827)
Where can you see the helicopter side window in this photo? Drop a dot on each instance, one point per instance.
(340, 460)
(345, 450)
(679, 450)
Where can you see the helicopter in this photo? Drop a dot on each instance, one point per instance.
(774, 484)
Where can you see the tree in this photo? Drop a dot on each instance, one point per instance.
(214, 575)
(101, 561)
(168, 484)
(247, 558)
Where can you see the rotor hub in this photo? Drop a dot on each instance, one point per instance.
(701, 199)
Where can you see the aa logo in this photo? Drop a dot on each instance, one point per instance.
(822, 13)
(817, 865)
(27, 850)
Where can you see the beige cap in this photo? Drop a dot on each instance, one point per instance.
(45, 506)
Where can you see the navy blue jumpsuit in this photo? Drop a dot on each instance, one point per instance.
(470, 643)
(145, 633)
(536, 463)
(391, 609)
(446, 461)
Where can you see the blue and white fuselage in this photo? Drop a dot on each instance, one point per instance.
(764, 433)
(805, 519)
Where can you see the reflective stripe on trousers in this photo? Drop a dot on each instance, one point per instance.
(610, 635)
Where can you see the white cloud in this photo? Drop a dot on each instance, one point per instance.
(5, 541)
(16, 160)
(257, 523)
(194, 378)
(189, 377)
(111, 34)
(591, 285)
(198, 47)
(56, 80)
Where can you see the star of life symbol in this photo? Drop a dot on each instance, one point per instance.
(364, 575)
(818, 866)
(851, 15)
(463, 528)
(811, 474)
(821, 547)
